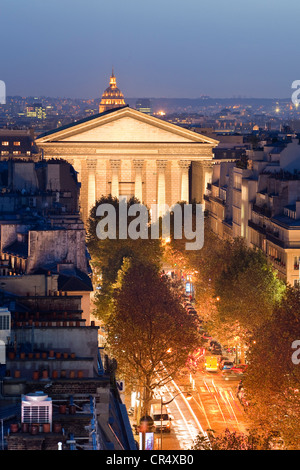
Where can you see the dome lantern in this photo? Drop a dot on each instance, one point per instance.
(112, 97)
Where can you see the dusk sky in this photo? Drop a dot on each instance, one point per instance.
(160, 48)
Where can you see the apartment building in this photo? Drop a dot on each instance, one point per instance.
(261, 203)
(42, 237)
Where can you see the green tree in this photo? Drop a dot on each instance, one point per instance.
(204, 264)
(149, 333)
(234, 441)
(236, 289)
(273, 375)
(246, 289)
(108, 254)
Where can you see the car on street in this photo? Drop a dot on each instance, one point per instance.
(240, 368)
(192, 314)
(189, 306)
(191, 311)
(211, 364)
(216, 351)
(226, 365)
(231, 375)
(215, 348)
(206, 336)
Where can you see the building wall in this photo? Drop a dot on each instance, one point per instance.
(83, 341)
(257, 224)
(24, 176)
(37, 284)
(53, 246)
(85, 304)
(127, 129)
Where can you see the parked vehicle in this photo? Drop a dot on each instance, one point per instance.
(161, 418)
(206, 337)
(194, 315)
(216, 351)
(187, 306)
(226, 365)
(211, 363)
(231, 375)
(192, 311)
(240, 368)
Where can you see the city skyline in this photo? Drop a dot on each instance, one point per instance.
(166, 50)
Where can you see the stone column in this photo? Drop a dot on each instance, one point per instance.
(161, 186)
(184, 191)
(201, 175)
(138, 185)
(91, 166)
(115, 167)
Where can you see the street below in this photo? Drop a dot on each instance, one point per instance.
(214, 406)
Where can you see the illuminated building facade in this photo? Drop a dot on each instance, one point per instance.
(16, 143)
(126, 153)
(261, 203)
(112, 97)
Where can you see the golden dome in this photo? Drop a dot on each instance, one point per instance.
(112, 96)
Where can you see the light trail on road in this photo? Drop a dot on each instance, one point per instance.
(193, 426)
(225, 402)
(189, 427)
(202, 408)
(213, 407)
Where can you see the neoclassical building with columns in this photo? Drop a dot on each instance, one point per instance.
(124, 152)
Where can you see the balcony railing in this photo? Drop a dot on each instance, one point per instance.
(265, 211)
(276, 240)
(215, 199)
(272, 237)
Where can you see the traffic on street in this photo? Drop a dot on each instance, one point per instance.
(204, 397)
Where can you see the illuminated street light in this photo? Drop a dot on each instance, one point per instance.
(162, 403)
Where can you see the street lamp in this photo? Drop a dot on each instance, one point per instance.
(162, 403)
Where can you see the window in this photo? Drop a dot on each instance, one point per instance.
(4, 152)
(237, 182)
(4, 322)
(17, 144)
(5, 144)
(296, 283)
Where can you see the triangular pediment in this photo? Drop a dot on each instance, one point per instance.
(124, 125)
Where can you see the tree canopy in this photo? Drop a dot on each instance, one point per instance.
(149, 333)
(235, 441)
(273, 375)
(108, 254)
(236, 289)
